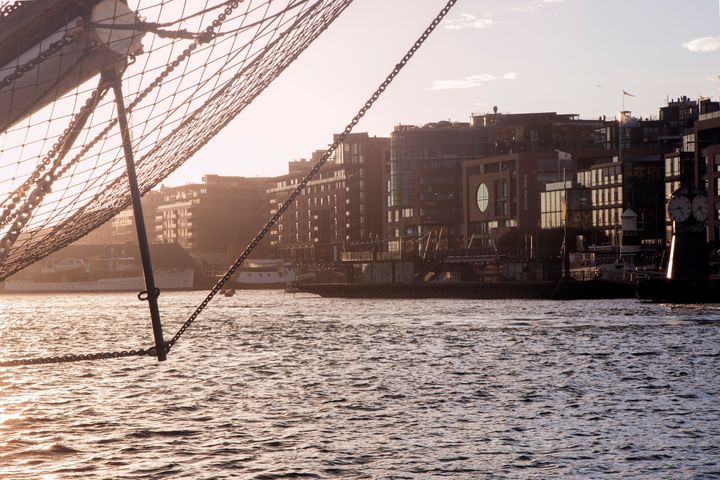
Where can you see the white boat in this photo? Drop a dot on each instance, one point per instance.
(265, 274)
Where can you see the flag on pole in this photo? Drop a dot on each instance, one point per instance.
(628, 94)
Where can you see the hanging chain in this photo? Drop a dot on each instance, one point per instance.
(20, 193)
(273, 220)
(149, 352)
(21, 70)
(45, 180)
(328, 153)
(8, 8)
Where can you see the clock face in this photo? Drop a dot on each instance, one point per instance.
(482, 197)
(700, 208)
(679, 208)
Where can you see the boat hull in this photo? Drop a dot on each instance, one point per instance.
(551, 290)
(177, 280)
(679, 291)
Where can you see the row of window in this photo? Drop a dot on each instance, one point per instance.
(672, 166)
(437, 196)
(606, 217)
(607, 196)
(600, 176)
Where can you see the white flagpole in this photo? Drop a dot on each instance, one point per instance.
(620, 125)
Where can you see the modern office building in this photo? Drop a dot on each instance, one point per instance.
(427, 184)
(501, 194)
(635, 181)
(566, 203)
(707, 156)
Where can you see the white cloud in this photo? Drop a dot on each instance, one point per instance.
(470, 82)
(535, 5)
(704, 44)
(468, 20)
(481, 78)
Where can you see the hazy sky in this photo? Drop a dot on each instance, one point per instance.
(568, 56)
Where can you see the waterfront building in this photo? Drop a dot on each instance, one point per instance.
(424, 184)
(633, 181)
(427, 184)
(502, 198)
(566, 203)
(522, 196)
(691, 163)
(707, 157)
(339, 210)
(123, 224)
(213, 220)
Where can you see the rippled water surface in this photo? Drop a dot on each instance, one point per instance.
(271, 385)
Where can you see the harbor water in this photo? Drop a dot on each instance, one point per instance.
(273, 385)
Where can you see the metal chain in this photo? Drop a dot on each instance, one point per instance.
(273, 220)
(148, 352)
(340, 138)
(8, 213)
(7, 9)
(20, 193)
(21, 70)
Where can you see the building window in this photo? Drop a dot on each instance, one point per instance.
(482, 197)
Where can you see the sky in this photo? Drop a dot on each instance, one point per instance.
(565, 56)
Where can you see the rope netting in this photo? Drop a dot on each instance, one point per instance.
(190, 68)
(162, 153)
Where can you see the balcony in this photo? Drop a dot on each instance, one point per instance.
(709, 116)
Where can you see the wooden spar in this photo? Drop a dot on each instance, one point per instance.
(95, 47)
(34, 21)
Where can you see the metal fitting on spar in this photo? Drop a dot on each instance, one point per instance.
(61, 54)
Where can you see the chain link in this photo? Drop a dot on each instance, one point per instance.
(21, 70)
(5, 215)
(148, 352)
(9, 213)
(340, 138)
(6, 10)
(273, 220)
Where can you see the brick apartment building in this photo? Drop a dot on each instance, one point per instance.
(213, 220)
(340, 210)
